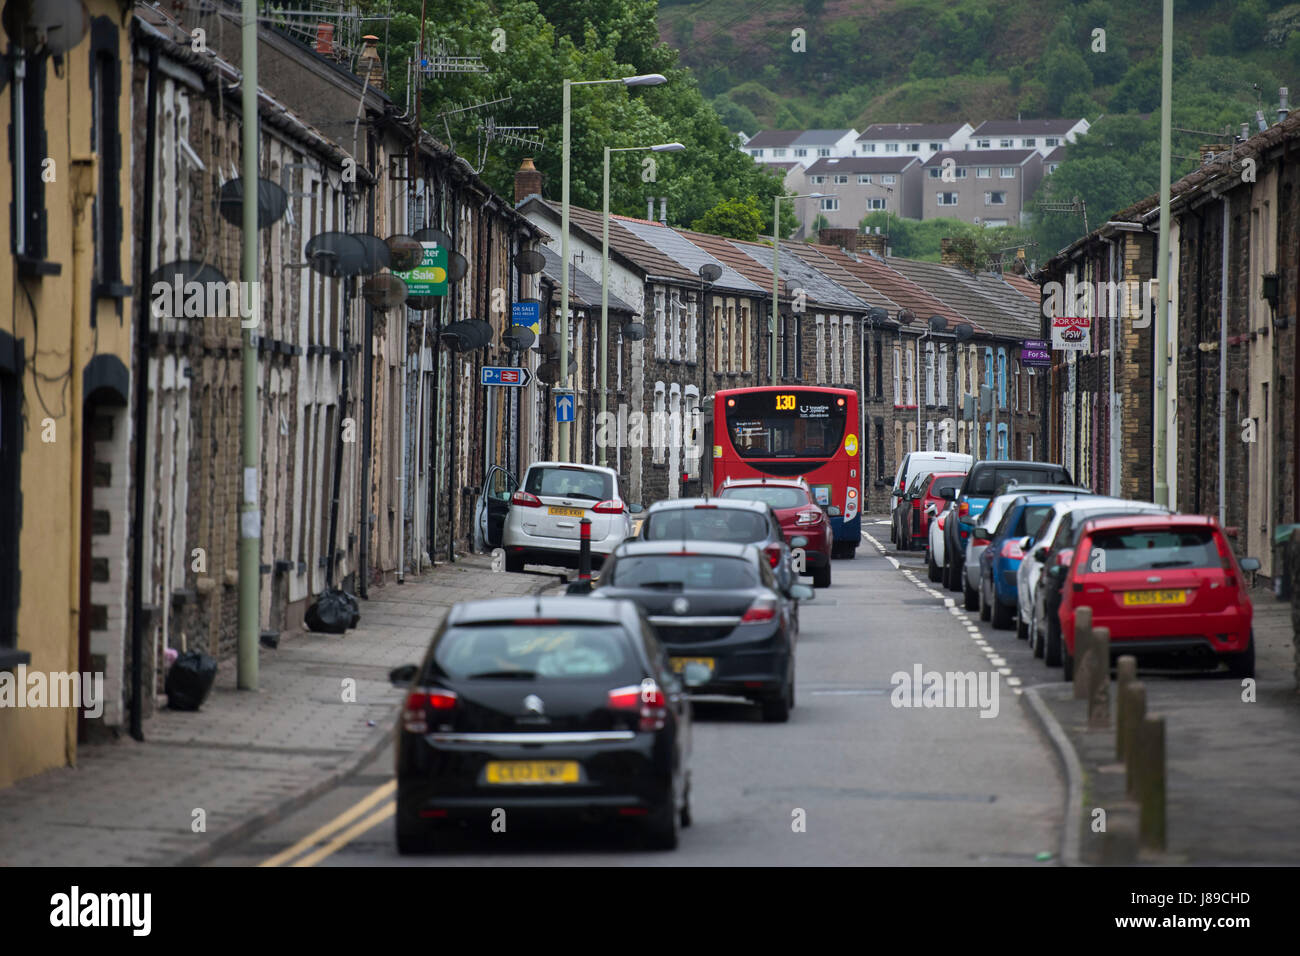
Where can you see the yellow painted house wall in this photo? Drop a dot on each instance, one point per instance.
(58, 344)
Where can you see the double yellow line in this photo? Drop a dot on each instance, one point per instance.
(326, 840)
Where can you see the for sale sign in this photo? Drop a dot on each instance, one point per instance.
(1070, 333)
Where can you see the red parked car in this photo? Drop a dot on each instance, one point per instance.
(928, 496)
(1164, 585)
(799, 515)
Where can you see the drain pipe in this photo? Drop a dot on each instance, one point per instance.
(1112, 428)
(141, 404)
(1223, 364)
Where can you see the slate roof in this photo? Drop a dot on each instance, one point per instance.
(983, 157)
(686, 253)
(822, 258)
(797, 273)
(649, 259)
(899, 288)
(916, 131)
(863, 164)
(1029, 127)
(991, 308)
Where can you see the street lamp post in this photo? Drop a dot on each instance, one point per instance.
(647, 79)
(604, 274)
(776, 278)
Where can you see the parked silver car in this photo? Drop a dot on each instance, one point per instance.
(542, 525)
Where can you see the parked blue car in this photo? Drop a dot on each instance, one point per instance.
(998, 595)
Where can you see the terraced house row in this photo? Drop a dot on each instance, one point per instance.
(121, 477)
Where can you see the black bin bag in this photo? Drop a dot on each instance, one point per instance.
(333, 612)
(189, 680)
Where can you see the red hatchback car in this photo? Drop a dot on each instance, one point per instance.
(933, 495)
(799, 515)
(1164, 585)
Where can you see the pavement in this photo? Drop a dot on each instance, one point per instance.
(1232, 763)
(205, 780)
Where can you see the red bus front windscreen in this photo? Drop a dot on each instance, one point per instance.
(793, 423)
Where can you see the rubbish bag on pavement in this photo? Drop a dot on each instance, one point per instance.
(333, 612)
(189, 680)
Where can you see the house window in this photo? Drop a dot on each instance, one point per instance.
(913, 147)
(107, 143)
(995, 199)
(936, 147)
(1030, 141)
(756, 153)
(1051, 167)
(1052, 141)
(935, 172)
(898, 376)
(841, 180)
(829, 205)
(847, 342)
(869, 148)
(1005, 143)
(891, 147)
(929, 373)
(1002, 441)
(661, 326)
(816, 180)
(801, 152)
(946, 199)
(1029, 396)
(983, 172)
(1007, 172)
(778, 153)
(983, 144)
(876, 204)
(1029, 448)
(742, 338)
(943, 376)
(692, 322)
(821, 348)
(880, 365)
(929, 436)
(1002, 378)
(888, 180)
(719, 333)
(864, 179)
(27, 149)
(880, 451)
(658, 440)
(909, 375)
(1016, 392)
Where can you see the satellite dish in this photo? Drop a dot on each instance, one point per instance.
(907, 316)
(434, 235)
(877, 314)
(466, 335)
(710, 272)
(518, 337)
(457, 266)
(963, 331)
(384, 291)
(938, 323)
(177, 275)
(335, 254)
(422, 303)
(634, 331)
(375, 253)
(46, 26)
(272, 201)
(548, 372)
(404, 252)
(549, 343)
(529, 261)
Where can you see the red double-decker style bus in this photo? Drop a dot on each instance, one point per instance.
(788, 432)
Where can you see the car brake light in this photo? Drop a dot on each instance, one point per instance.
(941, 520)
(979, 542)
(525, 499)
(1225, 557)
(705, 506)
(610, 507)
(773, 552)
(645, 699)
(809, 517)
(418, 704)
(763, 609)
(1011, 549)
(963, 509)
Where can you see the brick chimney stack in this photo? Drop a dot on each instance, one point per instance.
(872, 242)
(369, 63)
(948, 254)
(528, 180)
(844, 238)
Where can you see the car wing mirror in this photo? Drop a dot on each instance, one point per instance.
(931, 510)
(1040, 555)
(801, 592)
(1026, 543)
(1249, 564)
(635, 509)
(402, 676)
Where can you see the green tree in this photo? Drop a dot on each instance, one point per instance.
(733, 218)
(1065, 73)
(1247, 26)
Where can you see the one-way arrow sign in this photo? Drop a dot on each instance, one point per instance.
(505, 375)
(564, 406)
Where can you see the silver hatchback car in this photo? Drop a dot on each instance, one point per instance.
(543, 526)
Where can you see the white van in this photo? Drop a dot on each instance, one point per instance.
(917, 462)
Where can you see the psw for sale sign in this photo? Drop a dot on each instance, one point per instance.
(1071, 333)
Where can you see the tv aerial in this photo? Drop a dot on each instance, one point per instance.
(489, 132)
(444, 59)
(457, 109)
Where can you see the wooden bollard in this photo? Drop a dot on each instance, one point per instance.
(1082, 651)
(1099, 680)
(1125, 674)
(1134, 713)
(1150, 762)
(1119, 845)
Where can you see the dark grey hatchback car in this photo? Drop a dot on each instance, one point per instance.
(728, 626)
(542, 707)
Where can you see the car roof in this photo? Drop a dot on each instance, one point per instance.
(572, 466)
(1052, 497)
(738, 504)
(634, 547)
(763, 483)
(1149, 521)
(985, 463)
(561, 606)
